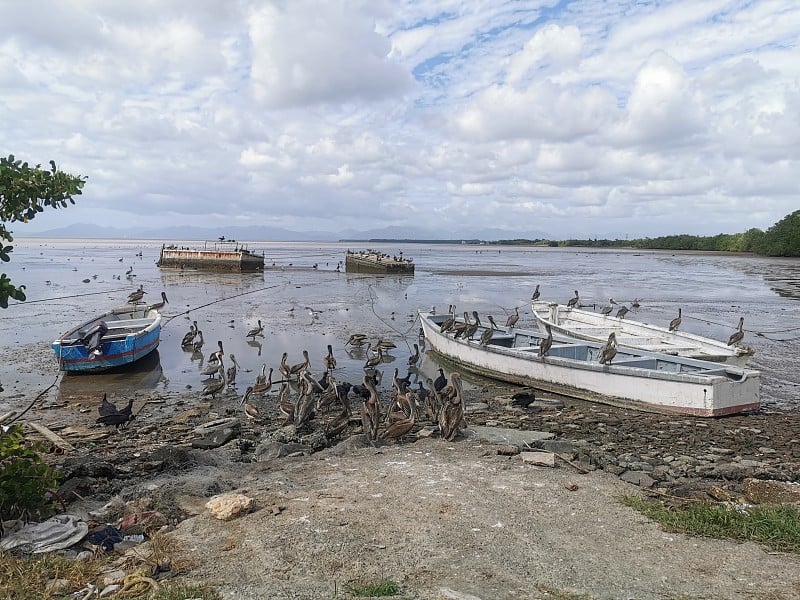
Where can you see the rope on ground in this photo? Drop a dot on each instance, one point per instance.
(68, 297)
(403, 334)
(189, 310)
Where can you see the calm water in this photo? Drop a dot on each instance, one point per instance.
(303, 307)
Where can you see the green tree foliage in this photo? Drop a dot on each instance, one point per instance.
(24, 478)
(26, 191)
(783, 238)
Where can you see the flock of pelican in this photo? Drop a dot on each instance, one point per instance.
(305, 401)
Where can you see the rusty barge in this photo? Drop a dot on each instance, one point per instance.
(214, 256)
(379, 263)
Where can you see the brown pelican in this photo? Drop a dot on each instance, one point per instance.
(608, 350)
(574, 302)
(338, 424)
(459, 326)
(356, 339)
(487, 334)
(214, 357)
(451, 416)
(385, 345)
(232, 370)
(283, 368)
(414, 358)
(300, 367)
(400, 427)
(161, 304)
(374, 361)
(214, 387)
(255, 331)
(330, 360)
(738, 334)
(284, 404)
(535, 295)
(198, 343)
(473, 327)
(134, 297)
(606, 310)
(512, 320)
(263, 383)
(370, 411)
(190, 335)
(622, 312)
(492, 322)
(250, 409)
(212, 368)
(546, 342)
(304, 409)
(448, 323)
(675, 323)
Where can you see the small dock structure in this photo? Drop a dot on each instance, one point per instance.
(379, 263)
(214, 256)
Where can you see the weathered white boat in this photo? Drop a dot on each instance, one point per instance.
(637, 379)
(595, 327)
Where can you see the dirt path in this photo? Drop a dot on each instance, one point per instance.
(433, 515)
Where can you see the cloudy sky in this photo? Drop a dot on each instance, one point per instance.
(583, 118)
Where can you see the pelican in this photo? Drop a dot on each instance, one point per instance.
(215, 387)
(304, 409)
(190, 335)
(487, 334)
(492, 321)
(214, 357)
(370, 412)
(622, 312)
(263, 383)
(399, 428)
(535, 295)
(300, 367)
(512, 320)
(738, 334)
(606, 310)
(330, 360)
(284, 404)
(338, 424)
(546, 342)
(232, 370)
(414, 358)
(574, 302)
(256, 330)
(473, 327)
(608, 350)
(212, 368)
(421, 337)
(356, 339)
(134, 297)
(675, 323)
(250, 409)
(283, 368)
(385, 345)
(161, 304)
(198, 344)
(451, 415)
(448, 323)
(374, 361)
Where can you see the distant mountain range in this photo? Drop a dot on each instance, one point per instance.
(277, 234)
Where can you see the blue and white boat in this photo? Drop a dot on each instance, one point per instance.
(118, 337)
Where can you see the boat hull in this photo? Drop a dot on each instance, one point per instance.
(586, 325)
(117, 349)
(669, 384)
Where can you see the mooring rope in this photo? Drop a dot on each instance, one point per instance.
(67, 297)
(403, 334)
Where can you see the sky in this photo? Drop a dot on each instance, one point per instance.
(579, 119)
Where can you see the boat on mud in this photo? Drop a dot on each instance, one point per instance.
(633, 378)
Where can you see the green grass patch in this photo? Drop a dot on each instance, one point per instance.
(777, 527)
(364, 589)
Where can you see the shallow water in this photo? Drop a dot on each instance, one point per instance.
(304, 303)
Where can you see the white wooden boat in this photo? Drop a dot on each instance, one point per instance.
(595, 327)
(637, 379)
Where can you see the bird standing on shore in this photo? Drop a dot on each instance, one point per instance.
(300, 367)
(330, 360)
(255, 331)
(190, 335)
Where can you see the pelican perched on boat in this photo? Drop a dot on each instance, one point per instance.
(675, 323)
(330, 360)
(487, 334)
(492, 322)
(134, 297)
(546, 342)
(606, 310)
(447, 325)
(608, 350)
(624, 310)
(738, 335)
(473, 327)
(512, 319)
(190, 335)
(535, 295)
(574, 302)
(161, 304)
(255, 331)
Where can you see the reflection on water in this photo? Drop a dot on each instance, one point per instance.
(307, 308)
(144, 374)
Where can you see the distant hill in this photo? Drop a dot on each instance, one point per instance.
(276, 234)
